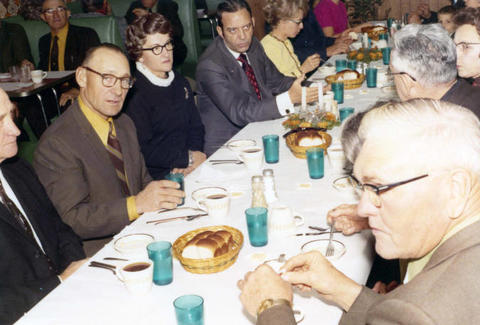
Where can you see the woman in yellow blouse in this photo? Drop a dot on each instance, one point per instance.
(285, 17)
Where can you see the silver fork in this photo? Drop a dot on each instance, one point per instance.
(330, 248)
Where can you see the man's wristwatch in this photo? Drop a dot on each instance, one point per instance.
(268, 303)
(190, 158)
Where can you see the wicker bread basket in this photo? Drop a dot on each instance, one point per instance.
(347, 84)
(208, 265)
(301, 151)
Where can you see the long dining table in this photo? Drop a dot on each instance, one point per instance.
(96, 296)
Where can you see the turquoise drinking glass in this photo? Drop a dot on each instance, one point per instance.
(346, 112)
(189, 310)
(337, 88)
(386, 55)
(371, 77)
(160, 253)
(340, 65)
(178, 178)
(270, 148)
(315, 163)
(257, 226)
(352, 64)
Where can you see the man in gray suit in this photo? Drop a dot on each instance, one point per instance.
(89, 160)
(418, 176)
(237, 83)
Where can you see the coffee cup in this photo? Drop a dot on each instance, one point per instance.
(137, 276)
(38, 76)
(217, 203)
(252, 157)
(281, 220)
(337, 159)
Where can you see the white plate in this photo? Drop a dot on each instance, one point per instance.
(238, 145)
(5, 75)
(321, 246)
(343, 184)
(203, 192)
(133, 244)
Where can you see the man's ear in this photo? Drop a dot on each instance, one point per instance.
(253, 22)
(81, 77)
(220, 31)
(42, 15)
(460, 185)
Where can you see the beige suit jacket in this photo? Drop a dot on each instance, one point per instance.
(445, 292)
(75, 169)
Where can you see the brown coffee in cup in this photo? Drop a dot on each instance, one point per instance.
(216, 196)
(135, 267)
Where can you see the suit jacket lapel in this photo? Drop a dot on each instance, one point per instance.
(20, 191)
(70, 50)
(88, 133)
(234, 68)
(127, 154)
(464, 239)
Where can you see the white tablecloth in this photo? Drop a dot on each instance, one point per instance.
(95, 296)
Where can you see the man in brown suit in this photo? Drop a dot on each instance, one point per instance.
(418, 176)
(96, 192)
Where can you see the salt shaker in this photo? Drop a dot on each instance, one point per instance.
(258, 197)
(269, 186)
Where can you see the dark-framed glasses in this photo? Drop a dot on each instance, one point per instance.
(158, 49)
(399, 73)
(374, 191)
(51, 11)
(109, 80)
(464, 46)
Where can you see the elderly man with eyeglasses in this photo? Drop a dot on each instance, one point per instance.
(89, 160)
(424, 65)
(418, 177)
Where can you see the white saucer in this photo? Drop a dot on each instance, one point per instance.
(5, 75)
(133, 244)
(321, 246)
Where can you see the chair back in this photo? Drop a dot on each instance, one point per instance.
(105, 26)
(187, 12)
(119, 7)
(75, 7)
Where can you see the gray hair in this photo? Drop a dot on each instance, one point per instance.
(351, 142)
(440, 135)
(426, 53)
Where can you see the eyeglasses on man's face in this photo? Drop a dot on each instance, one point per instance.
(51, 11)
(109, 80)
(465, 46)
(158, 49)
(374, 191)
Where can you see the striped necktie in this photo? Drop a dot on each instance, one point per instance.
(54, 55)
(115, 153)
(250, 74)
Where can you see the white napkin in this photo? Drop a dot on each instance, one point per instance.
(218, 173)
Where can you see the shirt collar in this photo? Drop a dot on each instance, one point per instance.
(157, 81)
(100, 125)
(234, 53)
